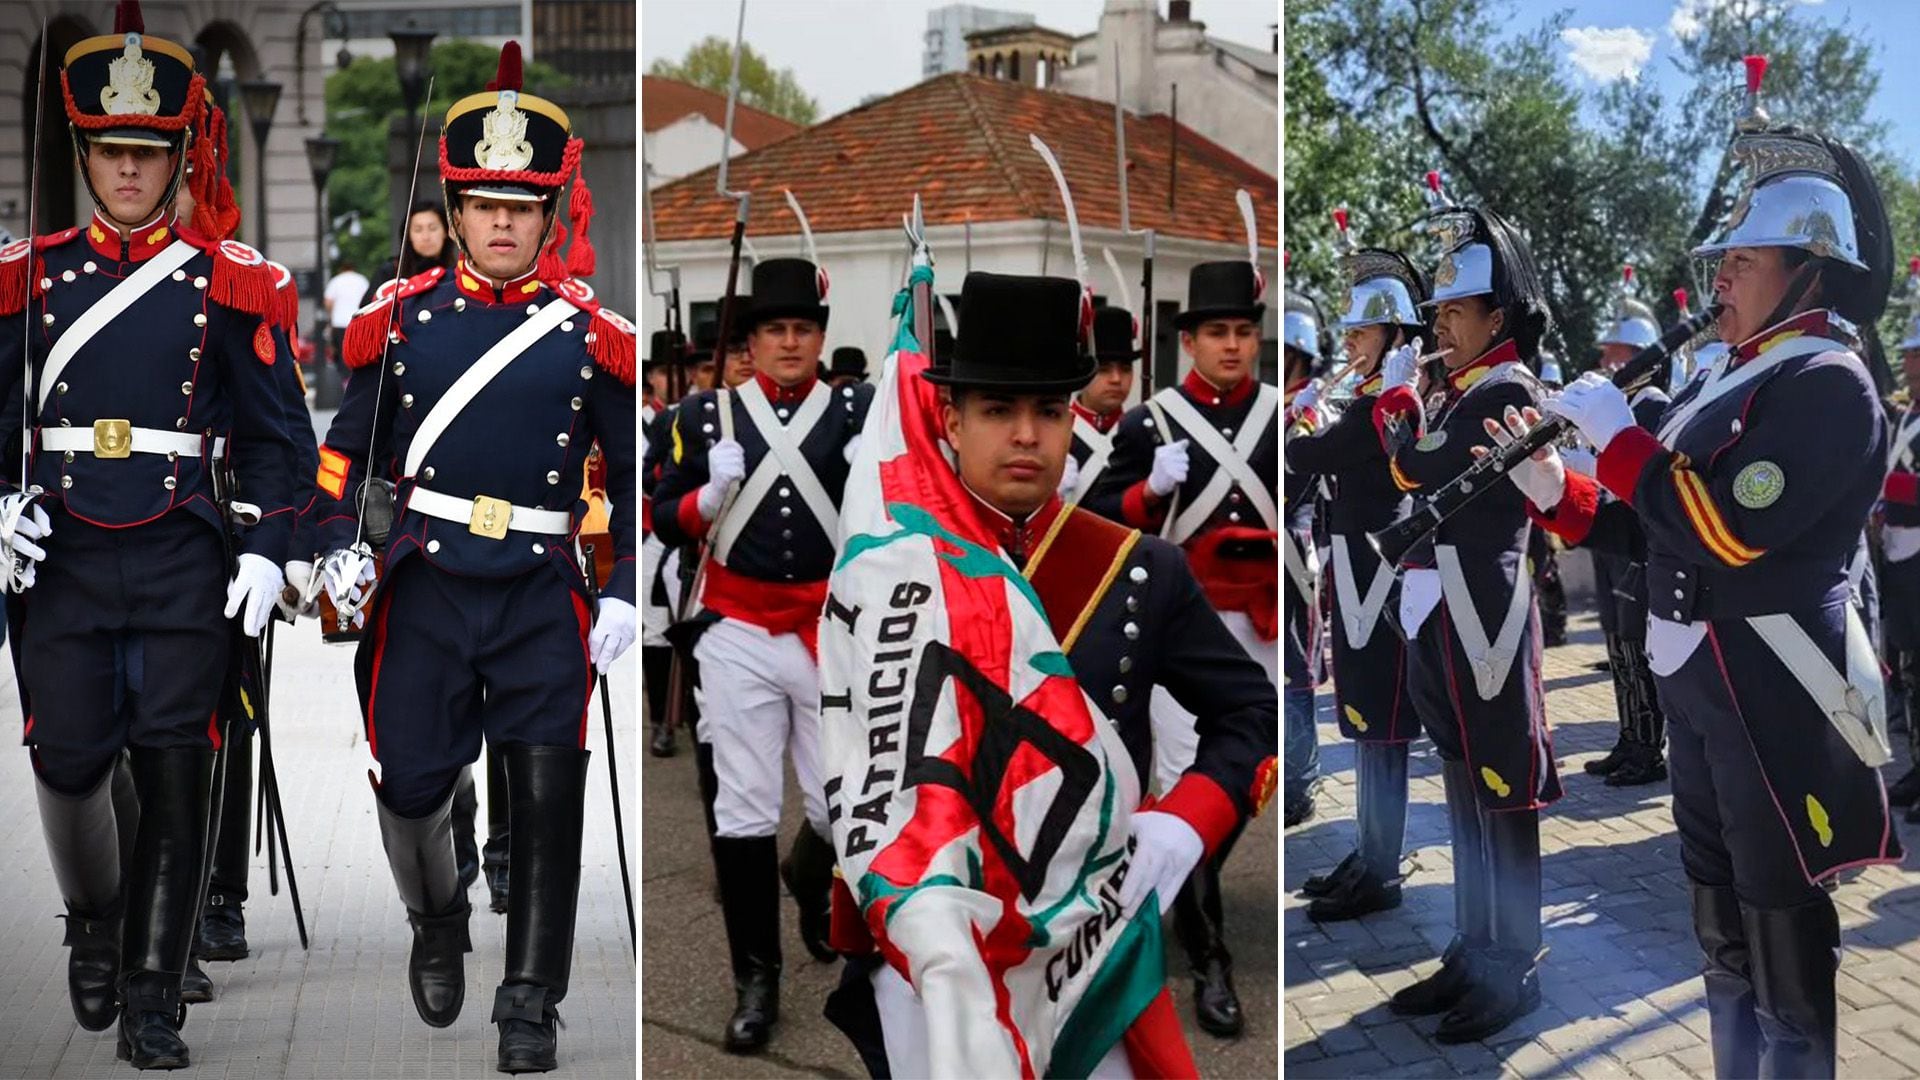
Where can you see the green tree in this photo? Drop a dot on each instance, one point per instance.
(362, 98)
(709, 64)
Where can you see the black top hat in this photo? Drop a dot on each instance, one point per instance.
(666, 347)
(707, 330)
(787, 289)
(1113, 332)
(505, 144)
(126, 87)
(848, 360)
(1026, 337)
(1221, 290)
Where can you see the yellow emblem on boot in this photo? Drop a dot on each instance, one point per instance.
(1823, 825)
(1494, 782)
(1353, 717)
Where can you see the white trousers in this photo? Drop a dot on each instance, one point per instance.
(903, 1027)
(760, 696)
(1175, 741)
(655, 618)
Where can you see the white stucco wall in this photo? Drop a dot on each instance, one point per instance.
(687, 145)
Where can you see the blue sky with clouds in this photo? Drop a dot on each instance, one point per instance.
(1610, 39)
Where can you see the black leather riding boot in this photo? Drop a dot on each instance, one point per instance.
(163, 896)
(548, 793)
(83, 843)
(420, 853)
(749, 875)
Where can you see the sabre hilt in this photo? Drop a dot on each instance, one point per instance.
(1393, 542)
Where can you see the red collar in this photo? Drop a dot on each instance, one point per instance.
(1813, 322)
(785, 395)
(1204, 392)
(141, 244)
(473, 286)
(1505, 352)
(1018, 539)
(1102, 422)
(656, 403)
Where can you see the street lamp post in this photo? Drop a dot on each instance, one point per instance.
(261, 97)
(322, 152)
(413, 64)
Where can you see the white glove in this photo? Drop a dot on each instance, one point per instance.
(1596, 407)
(22, 521)
(254, 590)
(294, 599)
(1401, 366)
(1169, 468)
(853, 447)
(1581, 459)
(1307, 398)
(726, 465)
(346, 573)
(1542, 476)
(1165, 851)
(613, 632)
(1069, 476)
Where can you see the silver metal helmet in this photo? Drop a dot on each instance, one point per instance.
(1300, 328)
(1465, 271)
(1550, 368)
(1633, 324)
(1912, 340)
(1381, 300)
(1794, 201)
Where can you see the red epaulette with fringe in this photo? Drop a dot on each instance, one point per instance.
(366, 335)
(20, 276)
(612, 341)
(241, 278)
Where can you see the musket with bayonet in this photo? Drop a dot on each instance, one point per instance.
(1127, 229)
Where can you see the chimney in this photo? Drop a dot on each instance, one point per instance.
(1179, 11)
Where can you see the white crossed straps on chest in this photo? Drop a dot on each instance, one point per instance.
(108, 307)
(1096, 463)
(1900, 453)
(1490, 660)
(1721, 382)
(1360, 614)
(475, 379)
(1231, 459)
(783, 461)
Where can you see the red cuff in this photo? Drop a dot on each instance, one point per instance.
(1137, 510)
(1903, 487)
(688, 515)
(1395, 402)
(1572, 517)
(1205, 805)
(1625, 458)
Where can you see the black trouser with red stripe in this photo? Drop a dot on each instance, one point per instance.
(153, 592)
(448, 658)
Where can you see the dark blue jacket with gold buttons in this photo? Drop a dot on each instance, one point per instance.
(1121, 493)
(520, 445)
(190, 359)
(781, 542)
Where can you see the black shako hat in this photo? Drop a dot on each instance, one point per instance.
(848, 360)
(128, 88)
(1024, 335)
(1113, 332)
(1222, 290)
(787, 289)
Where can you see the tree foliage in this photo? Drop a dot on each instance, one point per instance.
(1596, 178)
(362, 99)
(709, 64)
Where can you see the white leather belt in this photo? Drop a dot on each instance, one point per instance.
(490, 517)
(116, 439)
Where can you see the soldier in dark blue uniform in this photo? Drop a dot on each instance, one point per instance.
(1300, 773)
(1127, 608)
(1770, 682)
(1100, 405)
(757, 471)
(1371, 702)
(496, 378)
(1467, 606)
(1199, 463)
(1620, 580)
(665, 349)
(157, 424)
(1899, 570)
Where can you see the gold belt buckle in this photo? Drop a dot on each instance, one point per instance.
(490, 517)
(112, 439)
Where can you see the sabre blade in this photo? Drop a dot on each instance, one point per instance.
(1253, 229)
(1119, 279)
(806, 230)
(1066, 199)
(733, 98)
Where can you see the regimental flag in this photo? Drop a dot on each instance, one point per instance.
(980, 801)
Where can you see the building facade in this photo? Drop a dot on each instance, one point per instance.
(947, 30)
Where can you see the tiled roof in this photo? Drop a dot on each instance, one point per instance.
(960, 141)
(664, 101)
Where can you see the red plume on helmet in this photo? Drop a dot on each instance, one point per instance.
(127, 18)
(509, 75)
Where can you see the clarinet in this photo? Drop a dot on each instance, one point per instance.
(1393, 542)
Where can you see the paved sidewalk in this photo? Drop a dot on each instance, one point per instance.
(1621, 985)
(342, 1009)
